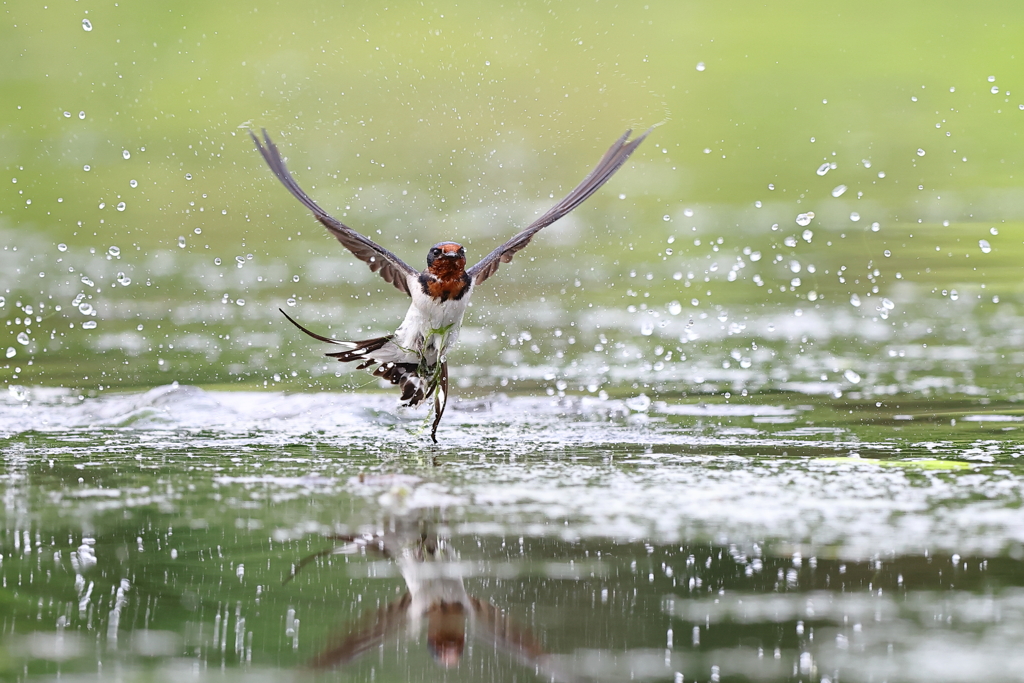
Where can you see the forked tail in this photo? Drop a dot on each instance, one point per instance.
(407, 376)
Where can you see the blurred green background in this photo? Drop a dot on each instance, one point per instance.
(123, 124)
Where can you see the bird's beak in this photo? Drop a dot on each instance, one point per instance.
(452, 254)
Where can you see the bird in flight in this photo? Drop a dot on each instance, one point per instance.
(414, 356)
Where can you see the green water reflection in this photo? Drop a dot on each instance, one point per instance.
(156, 553)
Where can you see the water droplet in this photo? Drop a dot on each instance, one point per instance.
(854, 216)
(700, 66)
(794, 266)
(881, 174)
(824, 168)
(81, 115)
(666, 218)
(887, 253)
(87, 168)
(953, 295)
(875, 227)
(290, 301)
(805, 219)
(78, 299)
(123, 280)
(866, 162)
(647, 328)
(85, 308)
(198, 231)
(89, 325)
(755, 256)
(23, 338)
(854, 300)
(67, 115)
(838, 190)
(11, 352)
(62, 247)
(993, 231)
(795, 282)
(3, 302)
(133, 182)
(120, 206)
(638, 403)
(888, 304)
(771, 186)
(985, 246)
(675, 308)
(295, 278)
(102, 205)
(757, 204)
(240, 260)
(181, 241)
(807, 235)
(790, 241)
(240, 302)
(87, 281)
(188, 176)
(86, 24)
(688, 212)
(994, 90)
(126, 154)
(114, 251)
(852, 376)
(217, 261)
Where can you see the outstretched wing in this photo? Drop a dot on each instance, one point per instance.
(369, 631)
(609, 164)
(391, 268)
(495, 629)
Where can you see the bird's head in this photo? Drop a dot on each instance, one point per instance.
(446, 632)
(446, 259)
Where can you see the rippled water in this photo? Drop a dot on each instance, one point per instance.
(671, 466)
(154, 534)
(666, 467)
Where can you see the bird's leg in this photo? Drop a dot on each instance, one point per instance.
(438, 373)
(440, 400)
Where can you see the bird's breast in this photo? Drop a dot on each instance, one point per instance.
(444, 289)
(428, 313)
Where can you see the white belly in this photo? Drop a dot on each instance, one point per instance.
(431, 327)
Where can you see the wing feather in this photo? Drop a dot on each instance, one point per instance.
(380, 260)
(605, 169)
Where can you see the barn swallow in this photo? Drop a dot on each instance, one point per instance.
(414, 357)
(435, 599)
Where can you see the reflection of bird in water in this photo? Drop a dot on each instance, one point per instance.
(413, 357)
(436, 597)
